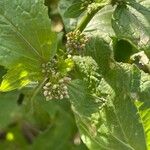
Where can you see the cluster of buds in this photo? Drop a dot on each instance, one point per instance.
(49, 68)
(57, 90)
(86, 3)
(76, 41)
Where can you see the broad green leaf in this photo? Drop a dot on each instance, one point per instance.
(132, 25)
(116, 125)
(100, 25)
(74, 10)
(100, 50)
(144, 12)
(84, 97)
(144, 106)
(24, 39)
(25, 32)
(17, 77)
(143, 9)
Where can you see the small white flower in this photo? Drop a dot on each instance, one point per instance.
(45, 93)
(61, 96)
(48, 84)
(54, 86)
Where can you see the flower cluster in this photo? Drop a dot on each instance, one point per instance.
(49, 67)
(56, 90)
(76, 41)
(56, 72)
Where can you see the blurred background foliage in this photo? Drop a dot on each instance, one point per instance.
(48, 125)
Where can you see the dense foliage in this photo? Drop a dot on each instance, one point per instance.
(75, 74)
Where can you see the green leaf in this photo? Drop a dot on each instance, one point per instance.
(144, 106)
(74, 10)
(17, 77)
(132, 25)
(70, 23)
(116, 125)
(143, 9)
(100, 50)
(25, 39)
(84, 97)
(100, 25)
(26, 36)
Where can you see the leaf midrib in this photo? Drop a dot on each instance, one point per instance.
(20, 35)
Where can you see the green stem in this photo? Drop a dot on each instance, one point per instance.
(37, 90)
(87, 18)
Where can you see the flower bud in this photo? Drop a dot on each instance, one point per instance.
(76, 41)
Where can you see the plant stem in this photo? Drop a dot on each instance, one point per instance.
(87, 18)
